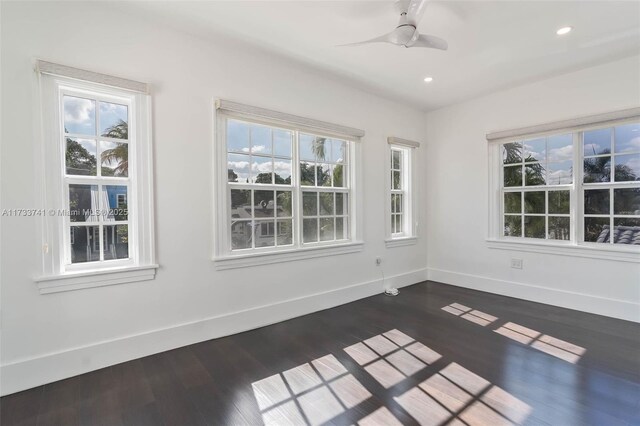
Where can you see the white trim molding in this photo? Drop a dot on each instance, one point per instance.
(392, 140)
(400, 242)
(80, 280)
(594, 251)
(20, 374)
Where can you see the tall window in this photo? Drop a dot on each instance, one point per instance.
(399, 196)
(287, 188)
(582, 186)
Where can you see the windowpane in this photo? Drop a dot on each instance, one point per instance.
(285, 232)
(597, 169)
(396, 180)
(626, 201)
(627, 138)
(80, 156)
(534, 150)
(113, 203)
(338, 151)
(309, 230)
(238, 168)
(260, 139)
(114, 120)
(560, 173)
(560, 148)
(559, 202)
(513, 226)
(341, 229)
(326, 204)
(114, 159)
(596, 201)
(241, 234)
(307, 174)
(282, 171)
(512, 153)
(596, 229)
(398, 219)
(283, 202)
(237, 136)
(513, 202)
(597, 142)
(326, 229)
(534, 227)
(534, 202)
(262, 169)
(626, 231)
(282, 140)
(559, 228)
(264, 205)
(324, 174)
(627, 167)
(240, 204)
(264, 233)
(310, 203)
(341, 203)
(116, 242)
(307, 147)
(395, 159)
(79, 115)
(85, 244)
(338, 176)
(84, 203)
(534, 174)
(513, 176)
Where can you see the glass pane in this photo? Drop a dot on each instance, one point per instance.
(114, 203)
(596, 201)
(597, 169)
(513, 176)
(393, 223)
(399, 203)
(237, 136)
(534, 227)
(81, 157)
(341, 203)
(326, 229)
(285, 232)
(241, 234)
(116, 242)
(309, 203)
(559, 202)
(282, 140)
(261, 169)
(338, 175)
(626, 201)
(596, 229)
(627, 138)
(560, 148)
(115, 159)
(83, 203)
(322, 148)
(260, 140)
(240, 204)
(309, 230)
(323, 175)
(626, 231)
(307, 174)
(393, 202)
(265, 233)
(396, 181)
(560, 173)
(597, 142)
(398, 225)
(85, 244)
(79, 115)
(534, 202)
(341, 228)
(238, 168)
(283, 202)
(534, 174)
(114, 121)
(513, 226)
(263, 204)
(282, 169)
(534, 150)
(627, 168)
(512, 153)
(338, 151)
(512, 202)
(395, 159)
(326, 204)
(307, 147)
(559, 228)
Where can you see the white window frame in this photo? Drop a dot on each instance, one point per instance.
(408, 236)
(58, 273)
(576, 246)
(223, 256)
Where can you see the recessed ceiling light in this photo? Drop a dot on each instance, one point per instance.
(564, 30)
(428, 79)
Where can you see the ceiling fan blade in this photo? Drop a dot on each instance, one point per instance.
(387, 38)
(415, 11)
(430, 41)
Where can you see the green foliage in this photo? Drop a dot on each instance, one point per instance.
(78, 160)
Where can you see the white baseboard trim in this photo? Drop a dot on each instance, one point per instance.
(615, 308)
(28, 373)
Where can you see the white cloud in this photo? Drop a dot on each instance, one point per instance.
(238, 165)
(561, 154)
(78, 110)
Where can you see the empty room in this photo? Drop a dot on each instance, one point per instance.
(371, 213)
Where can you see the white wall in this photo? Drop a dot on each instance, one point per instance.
(457, 200)
(47, 337)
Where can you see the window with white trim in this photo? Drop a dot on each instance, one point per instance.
(286, 187)
(97, 178)
(400, 204)
(578, 187)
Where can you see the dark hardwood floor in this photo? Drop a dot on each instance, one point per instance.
(210, 383)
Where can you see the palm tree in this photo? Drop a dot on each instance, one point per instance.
(119, 154)
(319, 148)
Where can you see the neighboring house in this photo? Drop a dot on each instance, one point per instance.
(243, 229)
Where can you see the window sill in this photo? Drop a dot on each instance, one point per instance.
(255, 259)
(88, 279)
(616, 253)
(399, 242)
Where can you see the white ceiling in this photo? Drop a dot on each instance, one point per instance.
(492, 44)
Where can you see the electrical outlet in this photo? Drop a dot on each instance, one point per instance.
(516, 263)
(378, 261)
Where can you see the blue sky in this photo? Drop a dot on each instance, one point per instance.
(80, 115)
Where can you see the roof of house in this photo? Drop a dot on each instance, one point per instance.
(621, 235)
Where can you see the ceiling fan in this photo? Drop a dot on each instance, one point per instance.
(406, 33)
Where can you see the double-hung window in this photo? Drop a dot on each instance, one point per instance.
(577, 186)
(96, 170)
(401, 223)
(285, 184)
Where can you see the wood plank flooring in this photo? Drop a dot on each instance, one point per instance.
(435, 354)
